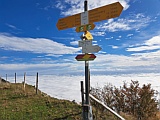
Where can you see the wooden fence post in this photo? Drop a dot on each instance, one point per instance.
(24, 83)
(6, 77)
(37, 84)
(15, 78)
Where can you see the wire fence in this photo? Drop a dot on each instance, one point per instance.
(13, 104)
(38, 106)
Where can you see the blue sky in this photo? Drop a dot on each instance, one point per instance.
(30, 41)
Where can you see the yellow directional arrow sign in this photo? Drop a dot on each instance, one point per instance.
(102, 13)
(105, 12)
(69, 22)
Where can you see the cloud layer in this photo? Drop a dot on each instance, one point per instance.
(68, 87)
(151, 44)
(137, 62)
(34, 45)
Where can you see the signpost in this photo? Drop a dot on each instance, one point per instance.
(83, 23)
(87, 17)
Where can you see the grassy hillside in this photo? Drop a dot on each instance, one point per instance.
(19, 104)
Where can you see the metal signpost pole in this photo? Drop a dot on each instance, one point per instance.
(86, 90)
(86, 107)
(85, 5)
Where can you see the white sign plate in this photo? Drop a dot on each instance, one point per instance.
(84, 18)
(91, 49)
(85, 43)
(87, 46)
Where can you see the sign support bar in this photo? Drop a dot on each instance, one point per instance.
(86, 90)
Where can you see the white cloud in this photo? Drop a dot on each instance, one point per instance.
(143, 48)
(115, 26)
(114, 47)
(151, 44)
(120, 36)
(59, 5)
(153, 41)
(121, 64)
(109, 38)
(98, 33)
(11, 26)
(39, 67)
(129, 35)
(35, 45)
(74, 43)
(4, 57)
(94, 41)
(133, 22)
(98, 3)
(53, 55)
(64, 38)
(77, 6)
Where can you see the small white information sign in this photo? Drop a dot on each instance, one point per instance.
(85, 43)
(87, 46)
(91, 49)
(84, 18)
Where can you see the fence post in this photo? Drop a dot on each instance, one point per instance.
(24, 83)
(82, 94)
(37, 84)
(6, 77)
(15, 78)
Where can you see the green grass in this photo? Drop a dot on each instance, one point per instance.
(19, 104)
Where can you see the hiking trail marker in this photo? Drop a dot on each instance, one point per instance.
(86, 36)
(85, 57)
(84, 22)
(87, 46)
(89, 17)
(86, 27)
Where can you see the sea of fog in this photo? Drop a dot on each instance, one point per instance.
(68, 87)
